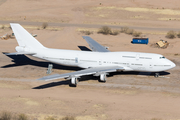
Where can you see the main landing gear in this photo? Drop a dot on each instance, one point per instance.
(156, 75)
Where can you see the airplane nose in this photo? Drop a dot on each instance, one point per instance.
(173, 65)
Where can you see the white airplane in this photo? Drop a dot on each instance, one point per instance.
(98, 62)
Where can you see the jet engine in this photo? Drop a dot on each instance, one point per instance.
(74, 81)
(103, 77)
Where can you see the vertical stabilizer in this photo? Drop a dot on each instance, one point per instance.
(24, 38)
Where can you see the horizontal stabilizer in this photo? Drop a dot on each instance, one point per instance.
(20, 53)
(88, 71)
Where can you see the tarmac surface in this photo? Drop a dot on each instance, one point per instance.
(90, 25)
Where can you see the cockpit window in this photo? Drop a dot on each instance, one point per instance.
(162, 57)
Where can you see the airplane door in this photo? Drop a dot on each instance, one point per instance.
(128, 64)
(150, 65)
(100, 62)
(76, 60)
(137, 56)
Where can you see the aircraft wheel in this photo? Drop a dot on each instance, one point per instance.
(101, 81)
(156, 75)
(72, 85)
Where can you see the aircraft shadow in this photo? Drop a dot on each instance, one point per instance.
(53, 84)
(138, 73)
(21, 60)
(84, 48)
(90, 77)
(65, 82)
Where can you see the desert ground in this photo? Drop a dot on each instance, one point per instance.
(127, 96)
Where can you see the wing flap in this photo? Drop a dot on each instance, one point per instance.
(88, 71)
(95, 46)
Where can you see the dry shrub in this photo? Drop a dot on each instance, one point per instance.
(171, 34)
(9, 116)
(5, 116)
(176, 54)
(136, 34)
(44, 25)
(86, 32)
(54, 29)
(178, 34)
(10, 27)
(124, 29)
(129, 31)
(22, 117)
(156, 119)
(68, 118)
(2, 27)
(115, 32)
(50, 118)
(105, 30)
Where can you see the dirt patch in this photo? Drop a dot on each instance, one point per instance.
(2, 1)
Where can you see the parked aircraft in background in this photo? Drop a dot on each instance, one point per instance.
(98, 62)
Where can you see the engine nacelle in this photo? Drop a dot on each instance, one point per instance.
(103, 77)
(74, 80)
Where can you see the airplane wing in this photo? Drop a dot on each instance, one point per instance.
(95, 46)
(88, 71)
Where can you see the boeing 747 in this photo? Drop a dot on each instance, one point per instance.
(98, 62)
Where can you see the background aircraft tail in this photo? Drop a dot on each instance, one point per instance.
(24, 38)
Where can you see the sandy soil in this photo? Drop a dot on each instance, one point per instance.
(125, 95)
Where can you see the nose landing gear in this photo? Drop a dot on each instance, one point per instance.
(156, 75)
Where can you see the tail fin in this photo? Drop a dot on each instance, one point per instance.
(24, 38)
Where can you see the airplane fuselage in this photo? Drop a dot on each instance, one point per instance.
(131, 61)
